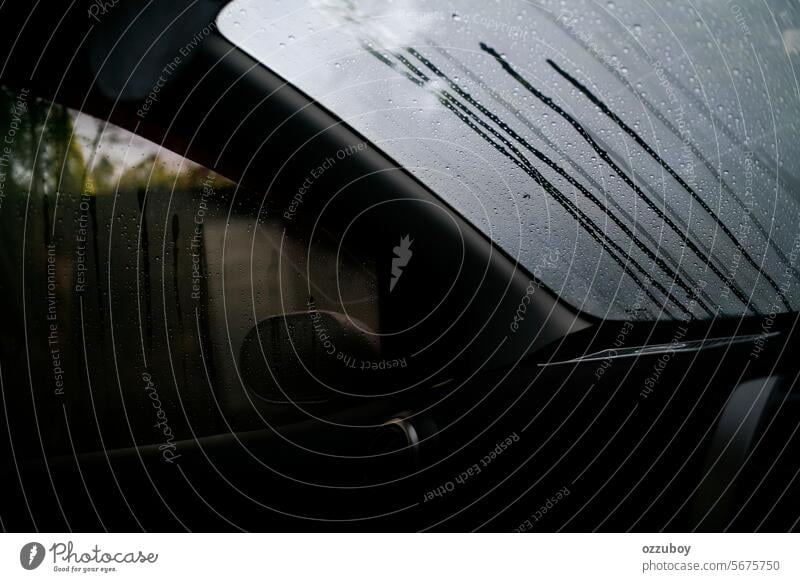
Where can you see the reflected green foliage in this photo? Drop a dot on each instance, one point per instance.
(55, 149)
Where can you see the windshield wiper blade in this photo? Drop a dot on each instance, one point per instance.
(667, 348)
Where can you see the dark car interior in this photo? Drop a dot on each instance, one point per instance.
(209, 324)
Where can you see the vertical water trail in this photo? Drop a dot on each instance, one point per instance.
(674, 275)
(524, 164)
(793, 184)
(653, 154)
(625, 178)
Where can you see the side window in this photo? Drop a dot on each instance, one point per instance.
(134, 279)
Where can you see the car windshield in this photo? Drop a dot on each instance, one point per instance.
(639, 159)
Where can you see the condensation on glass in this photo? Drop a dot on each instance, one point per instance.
(129, 278)
(640, 159)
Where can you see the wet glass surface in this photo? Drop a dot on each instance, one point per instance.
(130, 277)
(640, 159)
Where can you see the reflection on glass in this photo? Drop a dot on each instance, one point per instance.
(650, 146)
(130, 278)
